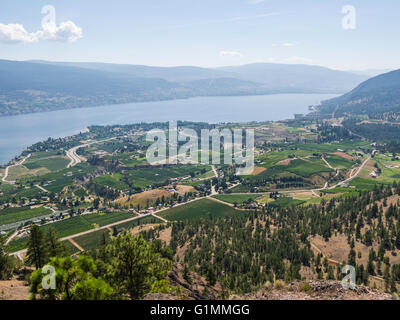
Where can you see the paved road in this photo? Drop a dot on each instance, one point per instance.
(41, 188)
(75, 159)
(339, 183)
(327, 163)
(18, 253)
(11, 237)
(4, 179)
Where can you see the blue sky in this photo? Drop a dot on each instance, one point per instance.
(208, 33)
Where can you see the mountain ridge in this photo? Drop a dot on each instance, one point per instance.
(378, 97)
(37, 86)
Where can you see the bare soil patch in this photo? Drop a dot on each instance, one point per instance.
(258, 170)
(182, 189)
(285, 162)
(144, 198)
(14, 289)
(165, 235)
(343, 155)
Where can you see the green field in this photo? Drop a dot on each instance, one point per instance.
(149, 176)
(68, 227)
(285, 202)
(112, 181)
(236, 198)
(71, 248)
(203, 208)
(297, 167)
(51, 164)
(56, 181)
(339, 162)
(91, 240)
(18, 244)
(11, 215)
(86, 222)
(306, 169)
(137, 222)
(366, 184)
(103, 219)
(333, 147)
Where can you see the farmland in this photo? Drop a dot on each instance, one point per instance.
(203, 208)
(92, 240)
(68, 227)
(236, 198)
(11, 215)
(144, 199)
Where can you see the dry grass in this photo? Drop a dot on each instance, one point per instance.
(144, 198)
(258, 170)
(138, 229)
(368, 168)
(14, 290)
(182, 189)
(285, 162)
(338, 249)
(343, 155)
(165, 235)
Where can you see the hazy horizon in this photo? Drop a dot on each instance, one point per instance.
(204, 34)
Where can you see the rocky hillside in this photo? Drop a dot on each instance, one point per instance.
(198, 289)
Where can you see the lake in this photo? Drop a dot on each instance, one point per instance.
(19, 132)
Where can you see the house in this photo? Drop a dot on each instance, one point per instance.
(373, 174)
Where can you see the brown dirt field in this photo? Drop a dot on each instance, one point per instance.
(136, 230)
(317, 180)
(14, 290)
(284, 162)
(301, 194)
(182, 189)
(258, 170)
(180, 252)
(141, 198)
(338, 249)
(343, 155)
(165, 235)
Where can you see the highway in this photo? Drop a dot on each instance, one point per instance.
(75, 159)
(4, 179)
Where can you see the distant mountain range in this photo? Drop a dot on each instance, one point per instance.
(371, 72)
(378, 97)
(34, 86)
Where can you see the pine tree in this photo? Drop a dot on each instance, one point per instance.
(36, 248)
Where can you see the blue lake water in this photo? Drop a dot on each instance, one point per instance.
(19, 132)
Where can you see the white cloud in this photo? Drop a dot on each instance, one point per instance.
(286, 44)
(16, 33)
(296, 59)
(230, 54)
(290, 44)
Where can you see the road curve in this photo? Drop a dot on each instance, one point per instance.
(75, 159)
(4, 179)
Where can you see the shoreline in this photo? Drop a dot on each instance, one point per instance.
(85, 126)
(172, 99)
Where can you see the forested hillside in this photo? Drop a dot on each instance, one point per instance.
(379, 98)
